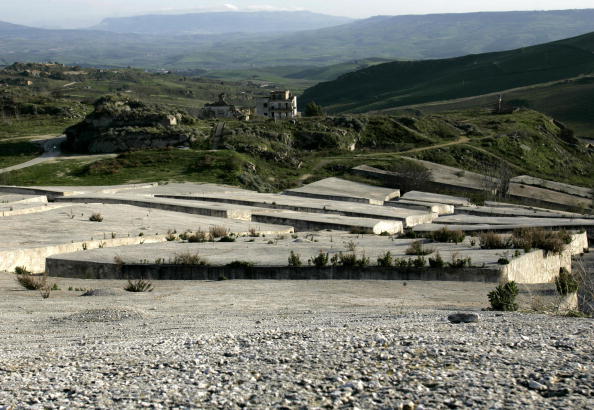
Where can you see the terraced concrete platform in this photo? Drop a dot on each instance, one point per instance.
(252, 258)
(26, 240)
(38, 223)
(409, 217)
(342, 190)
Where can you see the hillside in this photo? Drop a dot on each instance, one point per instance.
(568, 100)
(390, 37)
(415, 82)
(47, 98)
(219, 23)
(272, 156)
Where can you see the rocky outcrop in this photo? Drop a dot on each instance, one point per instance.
(120, 125)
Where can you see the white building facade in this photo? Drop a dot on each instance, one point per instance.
(279, 105)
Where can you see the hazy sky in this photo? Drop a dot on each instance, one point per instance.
(81, 13)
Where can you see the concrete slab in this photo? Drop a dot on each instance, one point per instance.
(57, 191)
(11, 199)
(547, 197)
(554, 186)
(442, 176)
(211, 209)
(510, 220)
(157, 261)
(26, 241)
(436, 198)
(516, 212)
(303, 221)
(439, 209)
(409, 217)
(342, 190)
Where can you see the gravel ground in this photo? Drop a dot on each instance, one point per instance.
(286, 345)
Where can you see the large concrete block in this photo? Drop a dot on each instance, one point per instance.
(342, 190)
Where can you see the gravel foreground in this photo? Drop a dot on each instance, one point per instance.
(288, 345)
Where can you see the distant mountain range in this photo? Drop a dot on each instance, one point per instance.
(221, 23)
(399, 37)
(403, 83)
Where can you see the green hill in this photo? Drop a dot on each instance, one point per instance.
(415, 82)
(221, 22)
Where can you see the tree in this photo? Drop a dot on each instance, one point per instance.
(313, 110)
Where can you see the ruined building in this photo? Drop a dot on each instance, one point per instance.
(280, 104)
(222, 109)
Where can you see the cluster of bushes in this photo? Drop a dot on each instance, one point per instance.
(527, 239)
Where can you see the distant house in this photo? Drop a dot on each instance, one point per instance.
(279, 105)
(222, 109)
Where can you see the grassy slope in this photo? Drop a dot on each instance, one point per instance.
(12, 153)
(529, 141)
(569, 101)
(404, 83)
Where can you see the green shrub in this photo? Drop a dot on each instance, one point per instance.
(321, 260)
(138, 286)
(385, 261)
(503, 297)
(503, 261)
(417, 248)
(437, 261)
(566, 283)
(419, 262)
(447, 236)
(459, 263)
(294, 259)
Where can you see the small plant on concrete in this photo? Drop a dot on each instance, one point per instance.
(349, 259)
(459, 263)
(503, 261)
(227, 239)
(254, 233)
(321, 260)
(492, 240)
(30, 281)
(139, 286)
(447, 236)
(197, 237)
(96, 217)
(437, 261)
(46, 290)
(171, 236)
(419, 262)
(21, 270)
(218, 231)
(566, 282)
(350, 246)
(188, 258)
(294, 259)
(539, 238)
(417, 248)
(504, 296)
(385, 261)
